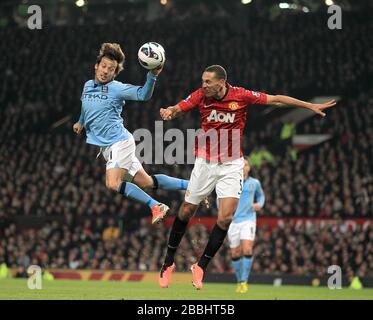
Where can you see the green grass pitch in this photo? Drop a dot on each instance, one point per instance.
(106, 290)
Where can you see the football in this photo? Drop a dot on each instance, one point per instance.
(151, 55)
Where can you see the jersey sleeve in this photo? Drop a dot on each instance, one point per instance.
(191, 102)
(137, 93)
(81, 117)
(254, 97)
(128, 91)
(259, 194)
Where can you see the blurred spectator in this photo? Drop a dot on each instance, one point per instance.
(21, 272)
(112, 232)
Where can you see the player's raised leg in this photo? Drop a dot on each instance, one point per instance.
(227, 207)
(163, 182)
(159, 181)
(114, 181)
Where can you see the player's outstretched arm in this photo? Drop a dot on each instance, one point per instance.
(145, 92)
(260, 197)
(285, 101)
(78, 126)
(170, 113)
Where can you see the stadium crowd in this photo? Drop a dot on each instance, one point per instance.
(103, 244)
(46, 171)
(332, 180)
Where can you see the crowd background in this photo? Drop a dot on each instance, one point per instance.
(49, 173)
(96, 244)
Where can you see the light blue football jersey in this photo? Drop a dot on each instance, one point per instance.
(102, 105)
(252, 192)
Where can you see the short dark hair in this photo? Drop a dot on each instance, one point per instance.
(112, 51)
(218, 70)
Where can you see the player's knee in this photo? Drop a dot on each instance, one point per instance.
(151, 183)
(236, 257)
(236, 254)
(143, 180)
(186, 211)
(185, 214)
(113, 184)
(224, 222)
(146, 184)
(248, 251)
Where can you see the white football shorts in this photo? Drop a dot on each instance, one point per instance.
(244, 230)
(122, 154)
(226, 178)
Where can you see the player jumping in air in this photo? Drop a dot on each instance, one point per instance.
(218, 164)
(102, 102)
(241, 232)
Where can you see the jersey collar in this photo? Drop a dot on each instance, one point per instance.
(96, 84)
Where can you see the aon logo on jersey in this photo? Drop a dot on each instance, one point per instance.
(221, 117)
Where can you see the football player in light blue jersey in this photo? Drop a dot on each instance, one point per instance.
(241, 232)
(102, 102)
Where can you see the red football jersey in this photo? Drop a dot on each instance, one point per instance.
(223, 121)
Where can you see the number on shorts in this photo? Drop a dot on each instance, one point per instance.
(241, 186)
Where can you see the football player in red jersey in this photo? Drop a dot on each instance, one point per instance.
(219, 163)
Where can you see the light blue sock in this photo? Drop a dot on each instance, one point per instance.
(246, 267)
(236, 264)
(161, 181)
(132, 191)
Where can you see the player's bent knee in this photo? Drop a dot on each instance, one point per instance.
(187, 211)
(224, 222)
(185, 214)
(149, 184)
(236, 253)
(145, 185)
(143, 180)
(113, 184)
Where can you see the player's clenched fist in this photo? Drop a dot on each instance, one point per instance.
(77, 127)
(166, 114)
(158, 70)
(257, 207)
(170, 113)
